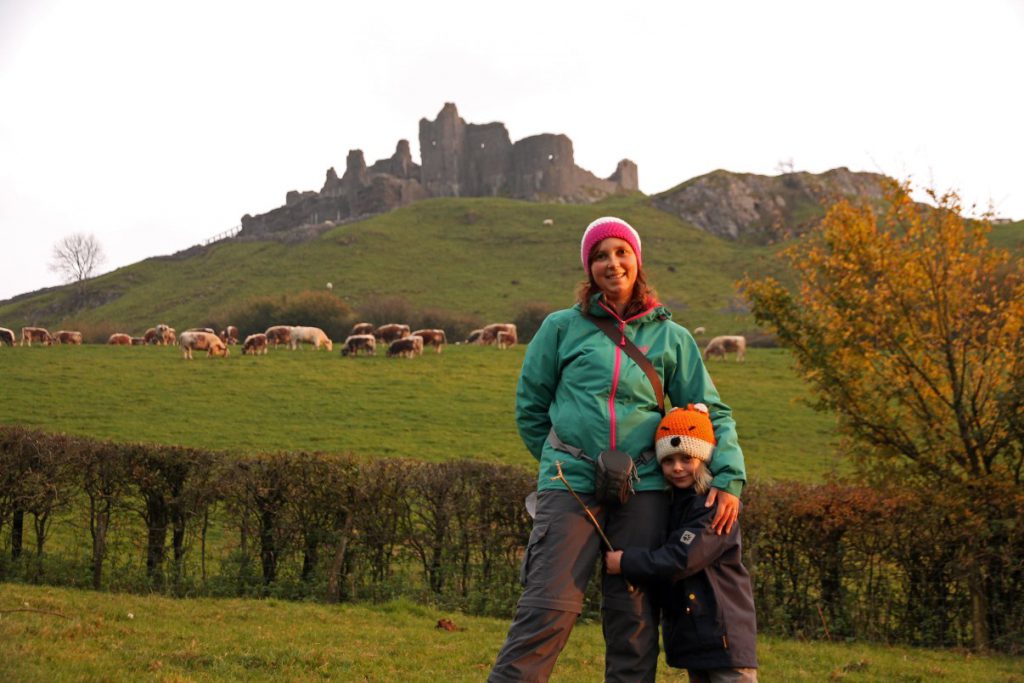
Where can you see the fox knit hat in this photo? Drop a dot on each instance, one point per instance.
(686, 430)
(603, 228)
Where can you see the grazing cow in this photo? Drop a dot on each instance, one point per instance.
(506, 338)
(407, 347)
(68, 337)
(699, 330)
(164, 335)
(310, 335)
(354, 343)
(435, 338)
(138, 341)
(474, 337)
(39, 334)
(279, 334)
(6, 336)
(390, 332)
(152, 336)
(549, 221)
(202, 341)
(208, 330)
(489, 334)
(719, 346)
(229, 335)
(362, 328)
(255, 344)
(120, 339)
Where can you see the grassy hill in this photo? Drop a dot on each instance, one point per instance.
(480, 257)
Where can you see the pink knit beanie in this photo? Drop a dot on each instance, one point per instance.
(603, 228)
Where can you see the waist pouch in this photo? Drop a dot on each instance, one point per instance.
(614, 470)
(613, 480)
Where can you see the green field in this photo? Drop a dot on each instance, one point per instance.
(457, 404)
(84, 636)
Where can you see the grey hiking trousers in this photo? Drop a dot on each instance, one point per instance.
(563, 548)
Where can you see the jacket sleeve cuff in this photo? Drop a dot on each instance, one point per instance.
(735, 487)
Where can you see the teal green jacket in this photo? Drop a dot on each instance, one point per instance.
(578, 380)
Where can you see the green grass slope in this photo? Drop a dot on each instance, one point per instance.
(484, 257)
(85, 636)
(457, 404)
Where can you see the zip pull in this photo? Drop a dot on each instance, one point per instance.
(622, 329)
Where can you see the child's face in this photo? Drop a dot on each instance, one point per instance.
(679, 469)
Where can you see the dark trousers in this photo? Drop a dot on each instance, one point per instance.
(564, 546)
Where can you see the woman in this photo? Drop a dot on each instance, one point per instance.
(579, 390)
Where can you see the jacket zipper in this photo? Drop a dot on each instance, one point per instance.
(618, 366)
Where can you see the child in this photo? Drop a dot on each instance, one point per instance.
(708, 622)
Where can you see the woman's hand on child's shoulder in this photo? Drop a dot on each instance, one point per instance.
(728, 510)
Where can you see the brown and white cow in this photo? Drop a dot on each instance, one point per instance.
(120, 339)
(229, 335)
(506, 338)
(407, 347)
(390, 332)
(138, 341)
(310, 335)
(151, 336)
(202, 341)
(362, 328)
(474, 337)
(208, 330)
(354, 343)
(489, 334)
(279, 334)
(719, 346)
(35, 334)
(72, 337)
(435, 338)
(255, 344)
(6, 336)
(170, 336)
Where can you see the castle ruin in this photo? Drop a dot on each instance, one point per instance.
(459, 159)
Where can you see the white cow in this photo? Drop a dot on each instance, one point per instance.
(719, 346)
(310, 335)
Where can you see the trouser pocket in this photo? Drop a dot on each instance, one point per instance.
(540, 531)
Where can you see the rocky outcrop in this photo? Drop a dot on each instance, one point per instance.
(764, 209)
(459, 159)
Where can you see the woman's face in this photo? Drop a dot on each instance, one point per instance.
(613, 267)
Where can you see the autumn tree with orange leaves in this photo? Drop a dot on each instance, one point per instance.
(908, 325)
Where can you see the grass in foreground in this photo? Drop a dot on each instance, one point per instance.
(458, 404)
(129, 638)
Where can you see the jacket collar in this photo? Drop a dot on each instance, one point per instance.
(657, 311)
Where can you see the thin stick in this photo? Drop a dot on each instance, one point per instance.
(822, 615)
(597, 525)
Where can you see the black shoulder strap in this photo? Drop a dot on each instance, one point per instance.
(607, 325)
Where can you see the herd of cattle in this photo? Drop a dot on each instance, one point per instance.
(364, 339)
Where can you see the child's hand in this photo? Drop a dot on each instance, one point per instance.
(613, 562)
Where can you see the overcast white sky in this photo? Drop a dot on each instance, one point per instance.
(157, 125)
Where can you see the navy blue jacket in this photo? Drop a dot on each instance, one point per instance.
(708, 619)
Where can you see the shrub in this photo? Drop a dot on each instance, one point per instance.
(311, 308)
(529, 318)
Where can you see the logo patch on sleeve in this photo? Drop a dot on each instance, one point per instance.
(687, 537)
